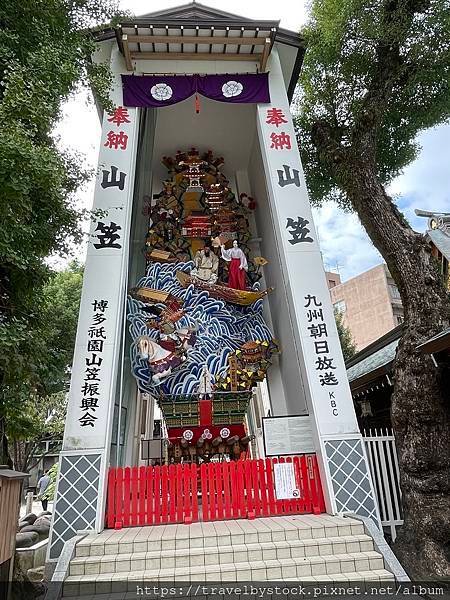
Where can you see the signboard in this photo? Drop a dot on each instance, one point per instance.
(287, 435)
(286, 487)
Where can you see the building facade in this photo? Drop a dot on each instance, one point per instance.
(370, 304)
(203, 266)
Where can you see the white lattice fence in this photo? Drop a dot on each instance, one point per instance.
(382, 455)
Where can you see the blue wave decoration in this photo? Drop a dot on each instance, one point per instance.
(221, 329)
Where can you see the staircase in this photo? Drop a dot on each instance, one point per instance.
(289, 548)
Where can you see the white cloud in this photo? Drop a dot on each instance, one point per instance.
(425, 183)
(345, 246)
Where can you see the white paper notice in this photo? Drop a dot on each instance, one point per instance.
(285, 484)
(288, 435)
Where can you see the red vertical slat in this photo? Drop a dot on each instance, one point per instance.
(240, 490)
(312, 484)
(305, 485)
(194, 491)
(212, 493)
(301, 484)
(179, 492)
(172, 494)
(298, 479)
(278, 503)
(142, 484)
(149, 520)
(157, 494)
(204, 487)
(292, 503)
(319, 502)
(226, 472)
(319, 483)
(187, 498)
(126, 497)
(256, 487)
(247, 488)
(268, 466)
(109, 520)
(263, 488)
(134, 496)
(219, 490)
(164, 493)
(118, 510)
(232, 467)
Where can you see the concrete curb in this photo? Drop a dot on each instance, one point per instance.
(391, 561)
(62, 567)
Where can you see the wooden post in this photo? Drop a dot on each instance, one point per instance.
(10, 487)
(29, 504)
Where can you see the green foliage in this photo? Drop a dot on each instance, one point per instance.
(345, 337)
(369, 55)
(41, 413)
(45, 53)
(49, 493)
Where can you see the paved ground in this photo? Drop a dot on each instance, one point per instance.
(37, 508)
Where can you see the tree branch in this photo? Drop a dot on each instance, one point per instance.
(397, 15)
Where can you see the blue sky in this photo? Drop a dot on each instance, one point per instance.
(345, 246)
(424, 184)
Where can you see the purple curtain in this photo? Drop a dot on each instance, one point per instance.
(164, 90)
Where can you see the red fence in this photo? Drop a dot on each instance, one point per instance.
(212, 491)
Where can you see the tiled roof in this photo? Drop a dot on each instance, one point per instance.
(441, 240)
(374, 361)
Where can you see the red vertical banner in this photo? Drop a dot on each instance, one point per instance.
(205, 412)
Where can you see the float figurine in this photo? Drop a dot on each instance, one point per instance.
(238, 266)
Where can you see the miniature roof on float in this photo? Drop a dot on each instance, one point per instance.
(176, 33)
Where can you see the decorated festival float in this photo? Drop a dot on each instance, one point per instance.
(204, 294)
(200, 340)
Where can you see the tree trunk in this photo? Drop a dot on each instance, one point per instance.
(5, 458)
(420, 409)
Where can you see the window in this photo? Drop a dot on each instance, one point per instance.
(340, 306)
(399, 319)
(395, 294)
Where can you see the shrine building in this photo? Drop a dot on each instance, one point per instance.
(208, 382)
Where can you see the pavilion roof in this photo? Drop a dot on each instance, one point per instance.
(197, 32)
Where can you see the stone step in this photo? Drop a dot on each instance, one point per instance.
(219, 533)
(88, 585)
(302, 565)
(215, 555)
